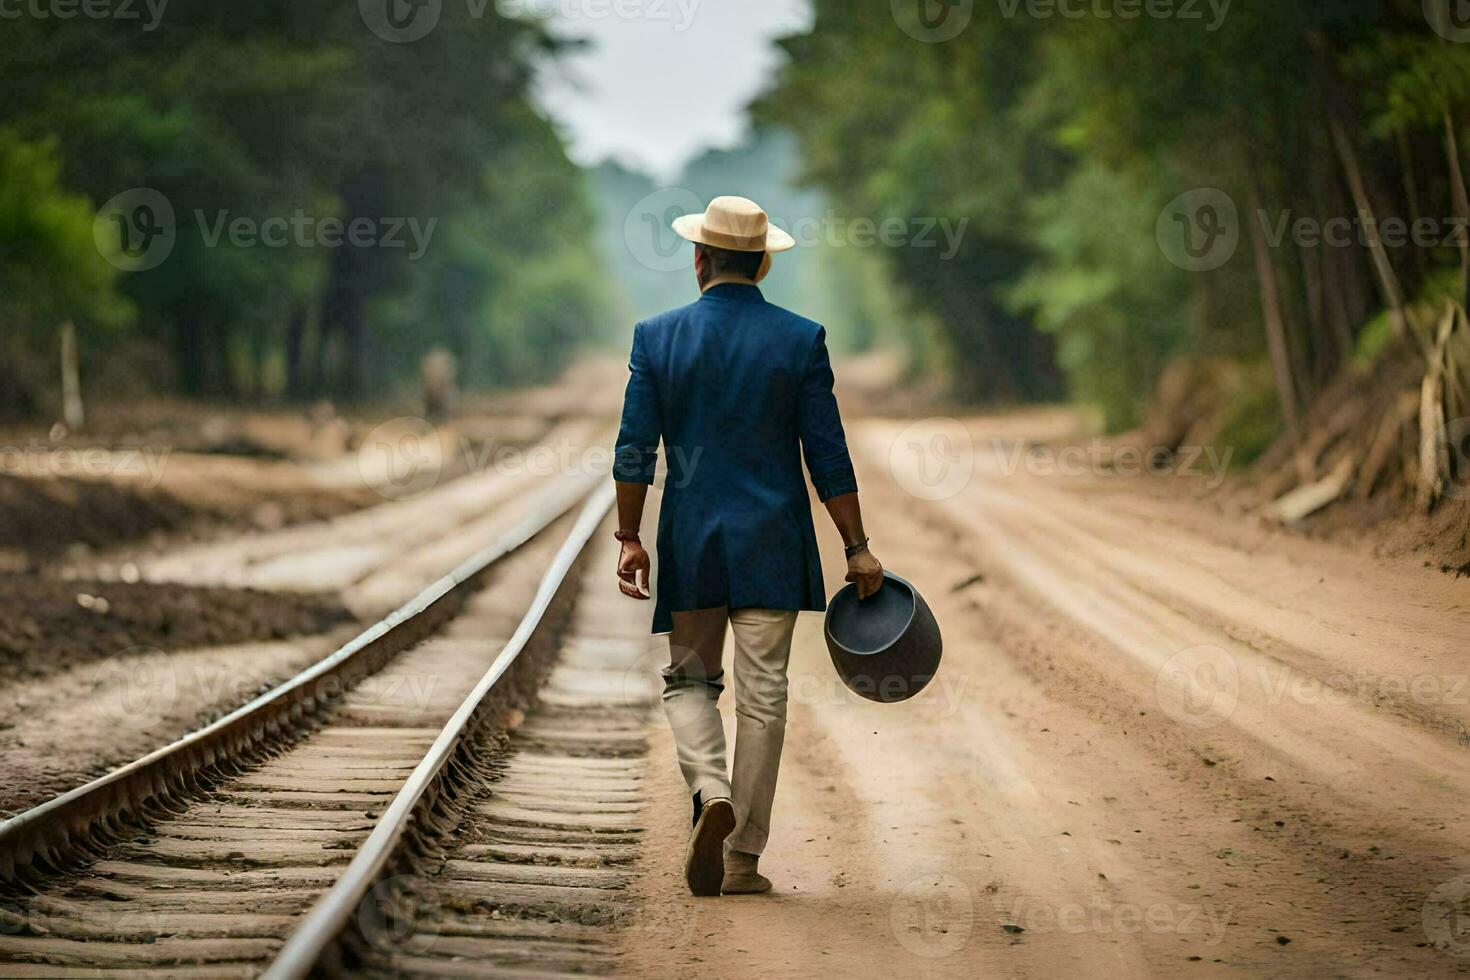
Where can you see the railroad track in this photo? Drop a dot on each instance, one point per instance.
(391, 810)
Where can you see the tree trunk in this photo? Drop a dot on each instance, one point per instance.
(1325, 348)
(334, 301)
(259, 342)
(1276, 340)
(1411, 193)
(319, 378)
(190, 351)
(1358, 293)
(354, 348)
(71, 384)
(295, 342)
(223, 380)
(1340, 287)
(1388, 280)
(1434, 457)
(1460, 200)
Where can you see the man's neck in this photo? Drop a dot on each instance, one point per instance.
(723, 278)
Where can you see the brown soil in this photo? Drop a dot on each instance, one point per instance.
(186, 426)
(160, 483)
(46, 516)
(42, 519)
(48, 625)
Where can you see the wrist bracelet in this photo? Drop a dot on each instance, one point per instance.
(626, 536)
(856, 549)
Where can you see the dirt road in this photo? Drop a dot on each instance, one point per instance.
(1164, 742)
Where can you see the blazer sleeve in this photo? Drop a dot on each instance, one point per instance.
(822, 440)
(636, 455)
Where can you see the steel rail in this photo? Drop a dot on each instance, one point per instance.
(69, 826)
(325, 922)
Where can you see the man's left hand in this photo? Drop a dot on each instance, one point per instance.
(633, 566)
(866, 571)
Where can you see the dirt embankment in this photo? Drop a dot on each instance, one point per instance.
(152, 472)
(45, 517)
(152, 479)
(1379, 461)
(48, 625)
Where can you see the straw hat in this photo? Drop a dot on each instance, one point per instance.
(735, 223)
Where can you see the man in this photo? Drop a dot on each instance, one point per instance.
(738, 390)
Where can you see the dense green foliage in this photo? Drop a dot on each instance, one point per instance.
(290, 121)
(1063, 139)
(1044, 157)
(49, 266)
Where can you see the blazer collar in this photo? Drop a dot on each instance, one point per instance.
(744, 291)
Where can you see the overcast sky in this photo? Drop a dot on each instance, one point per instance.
(656, 89)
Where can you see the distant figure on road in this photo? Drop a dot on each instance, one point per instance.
(438, 370)
(738, 390)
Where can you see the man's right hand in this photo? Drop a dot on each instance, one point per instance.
(866, 571)
(633, 566)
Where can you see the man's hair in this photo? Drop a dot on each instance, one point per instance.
(725, 261)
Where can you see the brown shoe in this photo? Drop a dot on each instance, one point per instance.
(741, 876)
(742, 883)
(704, 861)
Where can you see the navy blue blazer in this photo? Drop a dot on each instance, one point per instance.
(739, 390)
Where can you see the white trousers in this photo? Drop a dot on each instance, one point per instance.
(693, 683)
